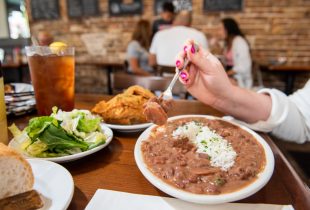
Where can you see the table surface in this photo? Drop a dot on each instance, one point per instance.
(114, 167)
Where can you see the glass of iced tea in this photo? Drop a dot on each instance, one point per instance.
(52, 76)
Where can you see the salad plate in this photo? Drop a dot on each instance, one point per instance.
(54, 184)
(62, 136)
(107, 131)
(129, 128)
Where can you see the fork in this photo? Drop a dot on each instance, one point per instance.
(167, 94)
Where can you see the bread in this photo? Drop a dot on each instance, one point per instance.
(15, 173)
(27, 201)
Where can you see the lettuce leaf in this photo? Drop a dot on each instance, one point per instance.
(58, 140)
(95, 139)
(20, 136)
(88, 125)
(37, 148)
(38, 124)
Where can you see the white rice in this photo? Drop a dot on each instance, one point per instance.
(220, 151)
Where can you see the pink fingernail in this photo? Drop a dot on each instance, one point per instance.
(185, 49)
(193, 50)
(178, 63)
(183, 76)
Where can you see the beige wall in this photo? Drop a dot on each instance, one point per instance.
(4, 31)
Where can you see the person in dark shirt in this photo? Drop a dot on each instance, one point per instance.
(166, 17)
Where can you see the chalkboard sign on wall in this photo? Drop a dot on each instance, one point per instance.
(119, 7)
(222, 5)
(79, 8)
(178, 5)
(44, 9)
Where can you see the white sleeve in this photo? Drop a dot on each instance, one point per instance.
(290, 116)
(241, 56)
(154, 44)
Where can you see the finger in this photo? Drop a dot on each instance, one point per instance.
(179, 61)
(184, 76)
(192, 72)
(203, 59)
(187, 45)
(187, 76)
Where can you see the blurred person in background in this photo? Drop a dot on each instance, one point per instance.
(137, 49)
(237, 53)
(166, 43)
(44, 38)
(166, 18)
(268, 110)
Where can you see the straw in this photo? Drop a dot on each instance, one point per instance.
(36, 44)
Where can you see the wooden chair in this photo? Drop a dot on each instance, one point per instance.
(121, 81)
(257, 77)
(161, 70)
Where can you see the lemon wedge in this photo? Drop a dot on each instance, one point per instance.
(56, 47)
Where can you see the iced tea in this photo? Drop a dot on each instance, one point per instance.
(52, 76)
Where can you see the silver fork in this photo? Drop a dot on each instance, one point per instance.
(167, 94)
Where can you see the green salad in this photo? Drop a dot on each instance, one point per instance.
(60, 134)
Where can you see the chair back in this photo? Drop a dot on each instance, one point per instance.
(257, 76)
(126, 66)
(161, 70)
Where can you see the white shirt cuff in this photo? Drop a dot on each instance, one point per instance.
(279, 111)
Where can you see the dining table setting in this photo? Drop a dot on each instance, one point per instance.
(111, 177)
(154, 105)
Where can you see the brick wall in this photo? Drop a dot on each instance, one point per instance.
(273, 28)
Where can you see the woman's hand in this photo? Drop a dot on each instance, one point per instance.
(205, 78)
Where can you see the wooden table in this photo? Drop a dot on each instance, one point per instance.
(106, 65)
(290, 72)
(114, 167)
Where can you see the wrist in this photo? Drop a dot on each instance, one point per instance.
(228, 100)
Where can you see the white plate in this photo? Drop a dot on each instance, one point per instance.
(107, 131)
(250, 189)
(22, 87)
(53, 182)
(129, 128)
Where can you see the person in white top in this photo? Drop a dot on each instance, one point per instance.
(166, 43)
(269, 110)
(237, 53)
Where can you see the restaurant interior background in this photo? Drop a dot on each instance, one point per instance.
(276, 30)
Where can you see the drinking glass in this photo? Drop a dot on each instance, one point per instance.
(52, 76)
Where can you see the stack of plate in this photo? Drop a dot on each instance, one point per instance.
(19, 99)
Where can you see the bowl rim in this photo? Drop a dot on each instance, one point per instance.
(261, 181)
